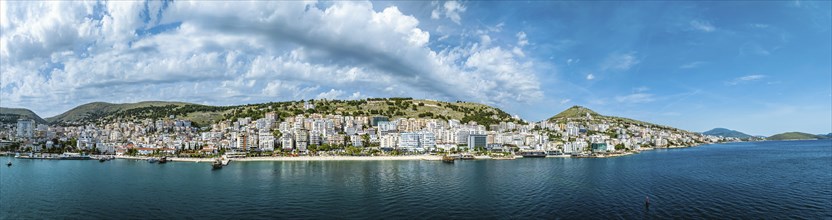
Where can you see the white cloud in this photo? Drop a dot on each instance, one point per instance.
(620, 61)
(519, 52)
(521, 39)
(692, 65)
(590, 76)
(452, 11)
(635, 98)
(331, 95)
(702, 26)
(485, 40)
(570, 61)
(564, 101)
(69, 53)
(745, 79)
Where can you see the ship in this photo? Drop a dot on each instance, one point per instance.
(533, 154)
(216, 164)
(447, 159)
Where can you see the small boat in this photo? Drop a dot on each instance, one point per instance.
(533, 154)
(217, 164)
(9, 164)
(466, 157)
(102, 159)
(152, 160)
(447, 159)
(163, 160)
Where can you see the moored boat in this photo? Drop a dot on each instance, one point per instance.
(466, 157)
(217, 164)
(152, 160)
(9, 164)
(447, 159)
(533, 154)
(163, 160)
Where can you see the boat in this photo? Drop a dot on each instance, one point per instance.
(163, 160)
(9, 164)
(217, 164)
(74, 156)
(533, 154)
(152, 160)
(466, 157)
(102, 159)
(556, 153)
(447, 159)
(225, 161)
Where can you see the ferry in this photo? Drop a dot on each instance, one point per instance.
(73, 156)
(533, 154)
(556, 153)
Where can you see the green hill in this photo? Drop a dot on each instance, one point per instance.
(574, 112)
(579, 113)
(95, 111)
(203, 115)
(391, 107)
(795, 136)
(724, 132)
(10, 115)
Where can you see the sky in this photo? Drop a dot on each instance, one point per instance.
(761, 67)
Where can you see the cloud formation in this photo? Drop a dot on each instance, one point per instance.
(620, 61)
(69, 53)
(703, 26)
(745, 79)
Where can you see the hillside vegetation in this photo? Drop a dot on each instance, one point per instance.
(578, 113)
(795, 136)
(724, 132)
(10, 115)
(390, 107)
(101, 112)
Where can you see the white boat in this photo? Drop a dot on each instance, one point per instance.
(225, 161)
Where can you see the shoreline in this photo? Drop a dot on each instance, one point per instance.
(300, 158)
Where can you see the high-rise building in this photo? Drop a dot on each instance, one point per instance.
(25, 128)
(477, 140)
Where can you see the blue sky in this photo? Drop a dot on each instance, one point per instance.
(758, 67)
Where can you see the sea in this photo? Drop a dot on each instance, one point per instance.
(749, 180)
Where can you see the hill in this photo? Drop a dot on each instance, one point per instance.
(795, 136)
(579, 113)
(574, 112)
(393, 108)
(10, 115)
(390, 107)
(93, 112)
(724, 132)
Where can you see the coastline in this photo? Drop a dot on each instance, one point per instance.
(301, 158)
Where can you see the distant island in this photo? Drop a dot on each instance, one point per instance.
(797, 136)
